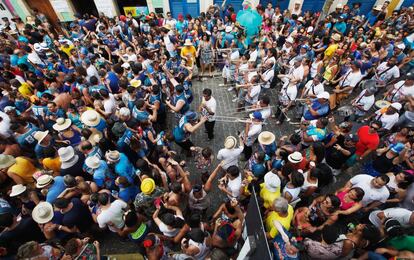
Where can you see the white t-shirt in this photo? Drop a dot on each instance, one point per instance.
(388, 121)
(233, 186)
(229, 156)
(312, 89)
(212, 106)
(92, 71)
(351, 79)
(253, 56)
(113, 214)
(34, 58)
(363, 181)
(400, 91)
(253, 94)
(364, 101)
(400, 214)
(384, 74)
(253, 133)
(5, 125)
(169, 232)
(268, 77)
(110, 104)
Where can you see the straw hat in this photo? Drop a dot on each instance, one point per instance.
(93, 162)
(66, 153)
(17, 190)
(272, 182)
(90, 118)
(40, 135)
(336, 37)
(43, 213)
(377, 8)
(43, 181)
(266, 138)
(112, 156)
(62, 124)
(147, 186)
(295, 157)
(230, 142)
(188, 42)
(167, 26)
(135, 83)
(228, 29)
(95, 138)
(6, 161)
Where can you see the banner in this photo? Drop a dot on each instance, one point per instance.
(136, 10)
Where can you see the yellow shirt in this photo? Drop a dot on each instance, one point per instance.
(268, 196)
(24, 169)
(25, 90)
(67, 50)
(52, 164)
(329, 52)
(191, 50)
(285, 221)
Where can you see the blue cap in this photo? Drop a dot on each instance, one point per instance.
(191, 115)
(257, 115)
(397, 148)
(84, 51)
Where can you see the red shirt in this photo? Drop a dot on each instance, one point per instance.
(366, 140)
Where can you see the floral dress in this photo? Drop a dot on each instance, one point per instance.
(206, 53)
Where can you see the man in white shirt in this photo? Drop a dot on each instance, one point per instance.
(386, 71)
(112, 214)
(346, 84)
(268, 74)
(208, 107)
(253, 92)
(295, 74)
(363, 103)
(253, 53)
(401, 90)
(404, 216)
(375, 190)
(91, 70)
(313, 88)
(229, 155)
(251, 132)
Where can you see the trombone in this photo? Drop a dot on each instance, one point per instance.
(233, 119)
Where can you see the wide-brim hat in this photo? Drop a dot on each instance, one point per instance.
(295, 157)
(43, 181)
(266, 138)
(93, 162)
(167, 26)
(271, 181)
(188, 42)
(147, 186)
(112, 156)
(17, 190)
(95, 137)
(230, 142)
(66, 153)
(229, 29)
(62, 124)
(90, 118)
(377, 8)
(336, 37)
(40, 135)
(43, 212)
(6, 161)
(135, 83)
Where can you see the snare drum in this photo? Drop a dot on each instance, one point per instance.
(379, 104)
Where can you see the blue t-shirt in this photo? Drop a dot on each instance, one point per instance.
(102, 176)
(57, 187)
(113, 81)
(129, 193)
(321, 109)
(125, 168)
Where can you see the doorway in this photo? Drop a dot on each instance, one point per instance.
(85, 7)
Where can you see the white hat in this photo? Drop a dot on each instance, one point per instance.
(272, 181)
(324, 95)
(90, 118)
(40, 47)
(397, 106)
(40, 135)
(295, 157)
(95, 137)
(339, 6)
(266, 138)
(43, 212)
(300, 19)
(124, 111)
(6, 161)
(188, 42)
(112, 156)
(66, 153)
(17, 190)
(230, 142)
(43, 181)
(310, 29)
(93, 162)
(400, 46)
(377, 8)
(336, 37)
(229, 29)
(289, 40)
(62, 124)
(126, 65)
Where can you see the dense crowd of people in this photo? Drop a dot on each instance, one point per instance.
(96, 121)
